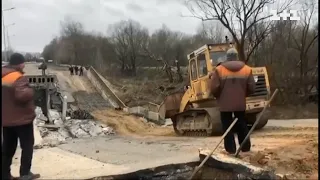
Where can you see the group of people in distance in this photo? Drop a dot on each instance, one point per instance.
(75, 69)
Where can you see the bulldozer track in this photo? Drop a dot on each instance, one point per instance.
(203, 122)
(198, 133)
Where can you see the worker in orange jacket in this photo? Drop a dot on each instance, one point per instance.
(18, 114)
(231, 82)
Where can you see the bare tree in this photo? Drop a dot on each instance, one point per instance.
(213, 31)
(291, 56)
(304, 40)
(50, 49)
(164, 47)
(238, 17)
(128, 38)
(71, 32)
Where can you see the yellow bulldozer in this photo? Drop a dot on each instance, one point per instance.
(195, 111)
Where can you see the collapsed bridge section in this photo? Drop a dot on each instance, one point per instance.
(63, 110)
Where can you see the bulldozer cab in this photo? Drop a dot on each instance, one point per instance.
(201, 62)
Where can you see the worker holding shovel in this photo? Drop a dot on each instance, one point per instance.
(231, 82)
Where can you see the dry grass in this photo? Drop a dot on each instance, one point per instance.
(144, 88)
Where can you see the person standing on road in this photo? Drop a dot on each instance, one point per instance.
(81, 71)
(43, 67)
(71, 70)
(76, 70)
(18, 113)
(231, 83)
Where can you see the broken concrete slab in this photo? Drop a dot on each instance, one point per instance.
(51, 126)
(108, 130)
(58, 122)
(150, 169)
(235, 165)
(168, 122)
(91, 128)
(58, 131)
(168, 172)
(41, 117)
(37, 135)
(54, 114)
(43, 131)
(217, 167)
(145, 113)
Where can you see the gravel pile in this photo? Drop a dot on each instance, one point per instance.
(59, 131)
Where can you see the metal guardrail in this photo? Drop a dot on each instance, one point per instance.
(113, 96)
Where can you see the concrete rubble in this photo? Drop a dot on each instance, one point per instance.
(60, 132)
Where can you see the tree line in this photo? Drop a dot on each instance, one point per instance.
(289, 49)
(129, 45)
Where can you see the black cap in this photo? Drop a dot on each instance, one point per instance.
(16, 59)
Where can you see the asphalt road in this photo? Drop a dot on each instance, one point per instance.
(128, 150)
(31, 68)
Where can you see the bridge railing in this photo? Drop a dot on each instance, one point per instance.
(98, 82)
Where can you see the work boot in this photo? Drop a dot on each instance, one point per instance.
(10, 178)
(30, 176)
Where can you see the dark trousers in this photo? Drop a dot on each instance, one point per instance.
(240, 128)
(81, 73)
(9, 145)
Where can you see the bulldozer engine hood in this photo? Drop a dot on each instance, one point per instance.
(233, 66)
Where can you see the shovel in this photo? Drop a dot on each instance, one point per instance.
(227, 131)
(256, 123)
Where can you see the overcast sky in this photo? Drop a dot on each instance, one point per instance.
(38, 21)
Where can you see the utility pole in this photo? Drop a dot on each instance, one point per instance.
(8, 39)
(4, 33)
(4, 37)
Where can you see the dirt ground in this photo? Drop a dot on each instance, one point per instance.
(296, 157)
(289, 150)
(130, 125)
